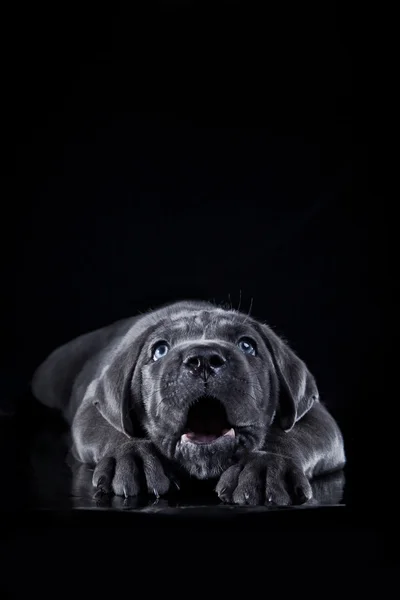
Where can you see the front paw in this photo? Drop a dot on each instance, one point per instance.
(134, 469)
(264, 478)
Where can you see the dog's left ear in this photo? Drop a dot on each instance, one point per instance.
(297, 388)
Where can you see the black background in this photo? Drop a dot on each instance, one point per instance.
(202, 150)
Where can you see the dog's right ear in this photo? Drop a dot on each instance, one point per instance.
(113, 390)
(97, 367)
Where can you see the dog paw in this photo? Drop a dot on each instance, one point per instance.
(135, 469)
(264, 478)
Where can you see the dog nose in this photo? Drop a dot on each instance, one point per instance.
(204, 362)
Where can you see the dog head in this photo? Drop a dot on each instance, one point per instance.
(206, 383)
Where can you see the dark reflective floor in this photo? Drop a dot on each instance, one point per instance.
(49, 520)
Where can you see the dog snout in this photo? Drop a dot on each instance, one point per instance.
(203, 362)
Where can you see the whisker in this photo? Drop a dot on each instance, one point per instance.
(251, 306)
(240, 300)
(230, 301)
(249, 311)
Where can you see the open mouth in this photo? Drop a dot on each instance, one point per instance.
(207, 421)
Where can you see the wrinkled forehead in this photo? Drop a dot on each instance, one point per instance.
(205, 324)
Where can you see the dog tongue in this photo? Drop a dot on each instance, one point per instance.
(203, 438)
(207, 438)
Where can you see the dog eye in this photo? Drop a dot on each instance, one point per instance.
(160, 350)
(247, 346)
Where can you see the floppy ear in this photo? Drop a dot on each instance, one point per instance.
(118, 387)
(297, 388)
(97, 368)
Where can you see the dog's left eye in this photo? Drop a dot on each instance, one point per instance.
(160, 350)
(247, 346)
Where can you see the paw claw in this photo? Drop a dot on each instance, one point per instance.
(99, 494)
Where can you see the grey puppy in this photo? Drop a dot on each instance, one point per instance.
(192, 389)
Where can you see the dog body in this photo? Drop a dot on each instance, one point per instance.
(192, 389)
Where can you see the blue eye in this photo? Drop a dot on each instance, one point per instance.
(160, 350)
(247, 346)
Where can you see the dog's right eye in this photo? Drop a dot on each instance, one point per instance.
(247, 346)
(160, 350)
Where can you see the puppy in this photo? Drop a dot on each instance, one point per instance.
(192, 389)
